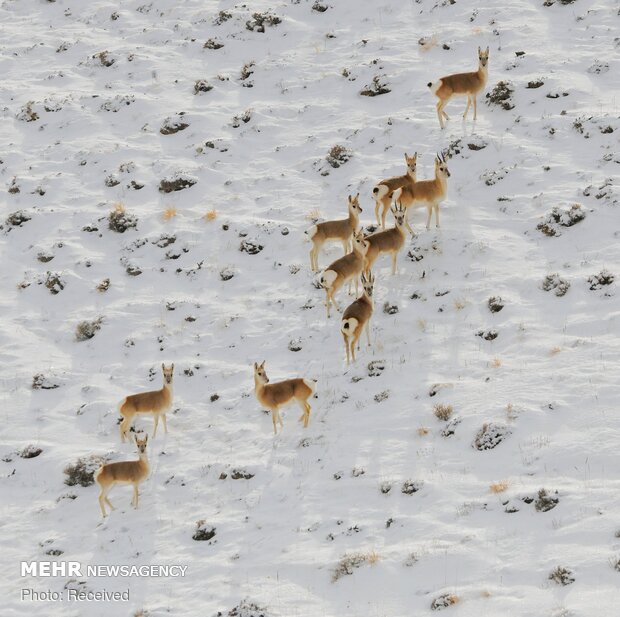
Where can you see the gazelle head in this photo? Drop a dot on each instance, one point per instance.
(411, 162)
(360, 244)
(441, 167)
(260, 374)
(141, 443)
(368, 283)
(354, 204)
(483, 56)
(168, 371)
(399, 214)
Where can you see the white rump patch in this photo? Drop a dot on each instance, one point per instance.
(349, 326)
(435, 86)
(312, 231)
(380, 191)
(328, 278)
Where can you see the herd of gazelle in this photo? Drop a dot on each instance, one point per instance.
(398, 194)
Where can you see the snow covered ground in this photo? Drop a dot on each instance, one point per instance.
(377, 479)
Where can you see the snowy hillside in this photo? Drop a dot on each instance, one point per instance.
(504, 322)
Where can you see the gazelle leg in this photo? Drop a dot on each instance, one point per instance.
(109, 503)
(377, 204)
(345, 246)
(407, 225)
(156, 416)
(436, 206)
(312, 260)
(134, 501)
(467, 107)
(346, 347)
(124, 426)
(307, 414)
(386, 207)
(163, 417)
(439, 113)
(274, 418)
(102, 500)
(475, 107)
(394, 258)
(368, 332)
(428, 220)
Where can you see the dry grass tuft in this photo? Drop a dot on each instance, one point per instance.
(118, 208)
(460, 304)
(443, 412)
(555, 351)
(423, 431)
(314, 215)
(211, 215)
(427, 43)
(495, 363)
(499, 487)
(169, 213)
(351, 562)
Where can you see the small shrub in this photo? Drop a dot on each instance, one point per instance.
(54, 283)
(251, 247)
(241, 474)
(545, 502)
(602, 279)
(104, 58)
(82, 471)
(489, 335)
(349, 563)
(443, 412)
(202, 85)
(375, 368)
(120, 221)
(17, 219)
(499, 487)
(213, 44)
(260, 20)
(562, 576)
(40, 382)
(410, 487)
(30, 451)
(27, 114)
(502, 95)
(490, 436)
(337, 156)
(382, 396)
(87, 329)
(376, 87)
(495, 304)
(244, 609)
(385, 487)
(390, 309)
(203, 532)
(104, 285)
(450, 428)
(553, 282)
(443, 601)
(175, 184)
(173, 125)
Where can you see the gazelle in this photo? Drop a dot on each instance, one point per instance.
(356, 317)
(156, 402)
(429, 193)
(123, 472)
(461, 84)
(388, 241)
(275, 395)
(381, 192)
(344, 269)
(341, 229)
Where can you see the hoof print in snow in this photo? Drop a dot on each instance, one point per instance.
(260, 20)
(545, 502)
(489, 335)
(30, 451)
(85, 330)
(376, 87)
(175, 184)
(501, 95)
(375, 368)
(251, 247)
(490, 436)
(119, 220)
(444, 601)
(553, 282)
(495, 304)
(409, 487)
(41, 382)
(602, 279)
(203, 532)
(562, 576)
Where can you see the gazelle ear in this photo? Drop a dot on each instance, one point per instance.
(406, 156)
(172, 367)
(479, 50)
(357, 196)
(350, 198)
(255, 365)
(163, 367)
(487, 50)
(262, 364)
